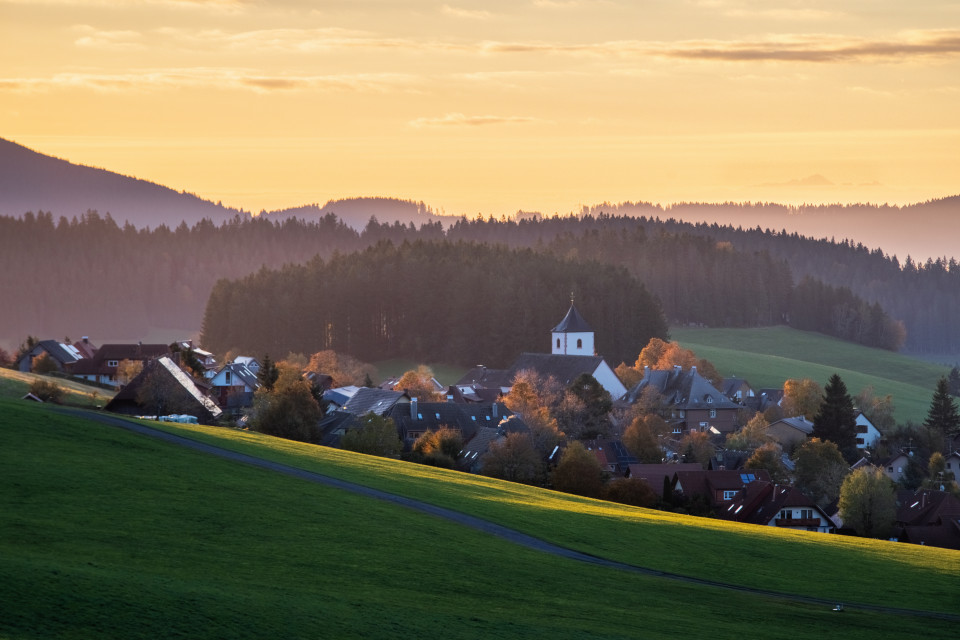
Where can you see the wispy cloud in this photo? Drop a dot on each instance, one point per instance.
(461, 120)
(815, 180)
(820, 48)
(469, 14)
(218, 78)
(217, 5)
(116, 40)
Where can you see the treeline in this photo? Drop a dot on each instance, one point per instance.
(90, 276)
(433, 301)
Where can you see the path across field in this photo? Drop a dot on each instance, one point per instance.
(479, 524)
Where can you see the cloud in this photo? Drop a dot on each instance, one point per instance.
(217, 78)
(114, 40)
(218, 5)
(818, 48)
(461, 120)
(469, 14)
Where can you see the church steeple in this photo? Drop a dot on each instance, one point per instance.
(573, 336)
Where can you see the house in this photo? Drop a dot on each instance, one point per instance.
(736, 390)
(471, 457)
(928, 517)
(413, 419)
(102, 367)
(613, 456)
(764, 399)
(206, 359)
(86, 348)
(765, 503)
(694, 404)
(337, 397)
(233, 386)
(867, 435)
(894, 466)
(659, 475)
(171, 390)
(952, 464)
(572, 355)
(718, 488)
(378, 401)
(60, 354)
(789, 431)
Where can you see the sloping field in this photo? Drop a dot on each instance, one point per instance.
(109, 534)
(768, 356)
(15, 384)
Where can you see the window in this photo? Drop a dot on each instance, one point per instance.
(709, 400)
(558, 343)
(579, 343)
(731, 494)
(806, 514)
(112, 363)
(859, 440)
(227, 377)
(786, 514)
(713, 413)
(703, 426)
(676, 428)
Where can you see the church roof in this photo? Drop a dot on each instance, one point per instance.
(573, 322)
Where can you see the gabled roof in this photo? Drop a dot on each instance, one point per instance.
(563, 368)
(417, 417)
(682, 389)
(245, 376)
(126, 399)
(573, 322)
(761, 501)
(653, 474)
(340, 395)
(119, 352)
(474, 450)
(480, 377)
(378, 401)
(732, 385)
(799, 423)
(62, 353)
(926, 507)
(708, 483)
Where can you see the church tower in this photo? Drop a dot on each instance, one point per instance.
(573, 336)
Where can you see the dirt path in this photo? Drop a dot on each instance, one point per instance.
(479, 524)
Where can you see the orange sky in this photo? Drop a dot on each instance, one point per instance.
(494, 106)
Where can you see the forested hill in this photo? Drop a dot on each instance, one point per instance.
(357, 212)
(90, 276)
(30, 181)
(433, 301)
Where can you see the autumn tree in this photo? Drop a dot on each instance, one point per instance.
(6, 359)
(878, 409)
(938, 477)
(515, 459)
(942, 416)
(47, 390)
(127, 370)
(44, 364)
(288, 409)
(819, 470)
(532, 397)
(660, 354)
(375, 436)
(696, 447)
(751, 435)
(642, 437)
(801, 398)
(836, 420)
(769, 456)
(419, 383)
(578, 472)
(439, 448)
(868, 503)
(158, 390)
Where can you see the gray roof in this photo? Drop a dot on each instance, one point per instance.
(799, 423)
(682, 389)
(573, 322)
(367, 400)
(432, 416)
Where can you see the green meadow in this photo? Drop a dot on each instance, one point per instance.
(109, 534)
(16, 384)
(768, 356)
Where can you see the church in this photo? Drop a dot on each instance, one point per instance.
(572, 354)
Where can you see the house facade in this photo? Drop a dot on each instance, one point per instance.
(692, 402)
(103, 366)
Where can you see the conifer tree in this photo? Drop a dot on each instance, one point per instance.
(836, 420)
(942, 415)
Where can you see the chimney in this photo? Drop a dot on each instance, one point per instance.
(413, 408)
(496, 410)
(86, 339)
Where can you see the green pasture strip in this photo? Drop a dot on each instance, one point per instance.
(786, 561)
(446, 374)
(108, 534)
(16, 384)
(768, 356)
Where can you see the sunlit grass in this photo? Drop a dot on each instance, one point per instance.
(109, 534)
(15, 384)
(743, 554)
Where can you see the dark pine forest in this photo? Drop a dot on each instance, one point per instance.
(253, 283)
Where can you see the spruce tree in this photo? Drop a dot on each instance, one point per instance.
(836, 420)
(943, 416)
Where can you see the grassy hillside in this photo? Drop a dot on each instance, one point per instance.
(108, 534)
(15, 384)
(768, 356)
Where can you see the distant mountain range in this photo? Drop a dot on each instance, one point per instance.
(30, 181)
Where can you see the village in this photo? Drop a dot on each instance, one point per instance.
(666, 433)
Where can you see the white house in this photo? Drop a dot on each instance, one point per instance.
(867, 434)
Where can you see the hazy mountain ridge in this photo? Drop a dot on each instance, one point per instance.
(357, 212)
(31, 181)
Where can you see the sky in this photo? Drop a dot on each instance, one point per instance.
(494, 107)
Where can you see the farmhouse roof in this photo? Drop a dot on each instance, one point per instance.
(379, 401)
